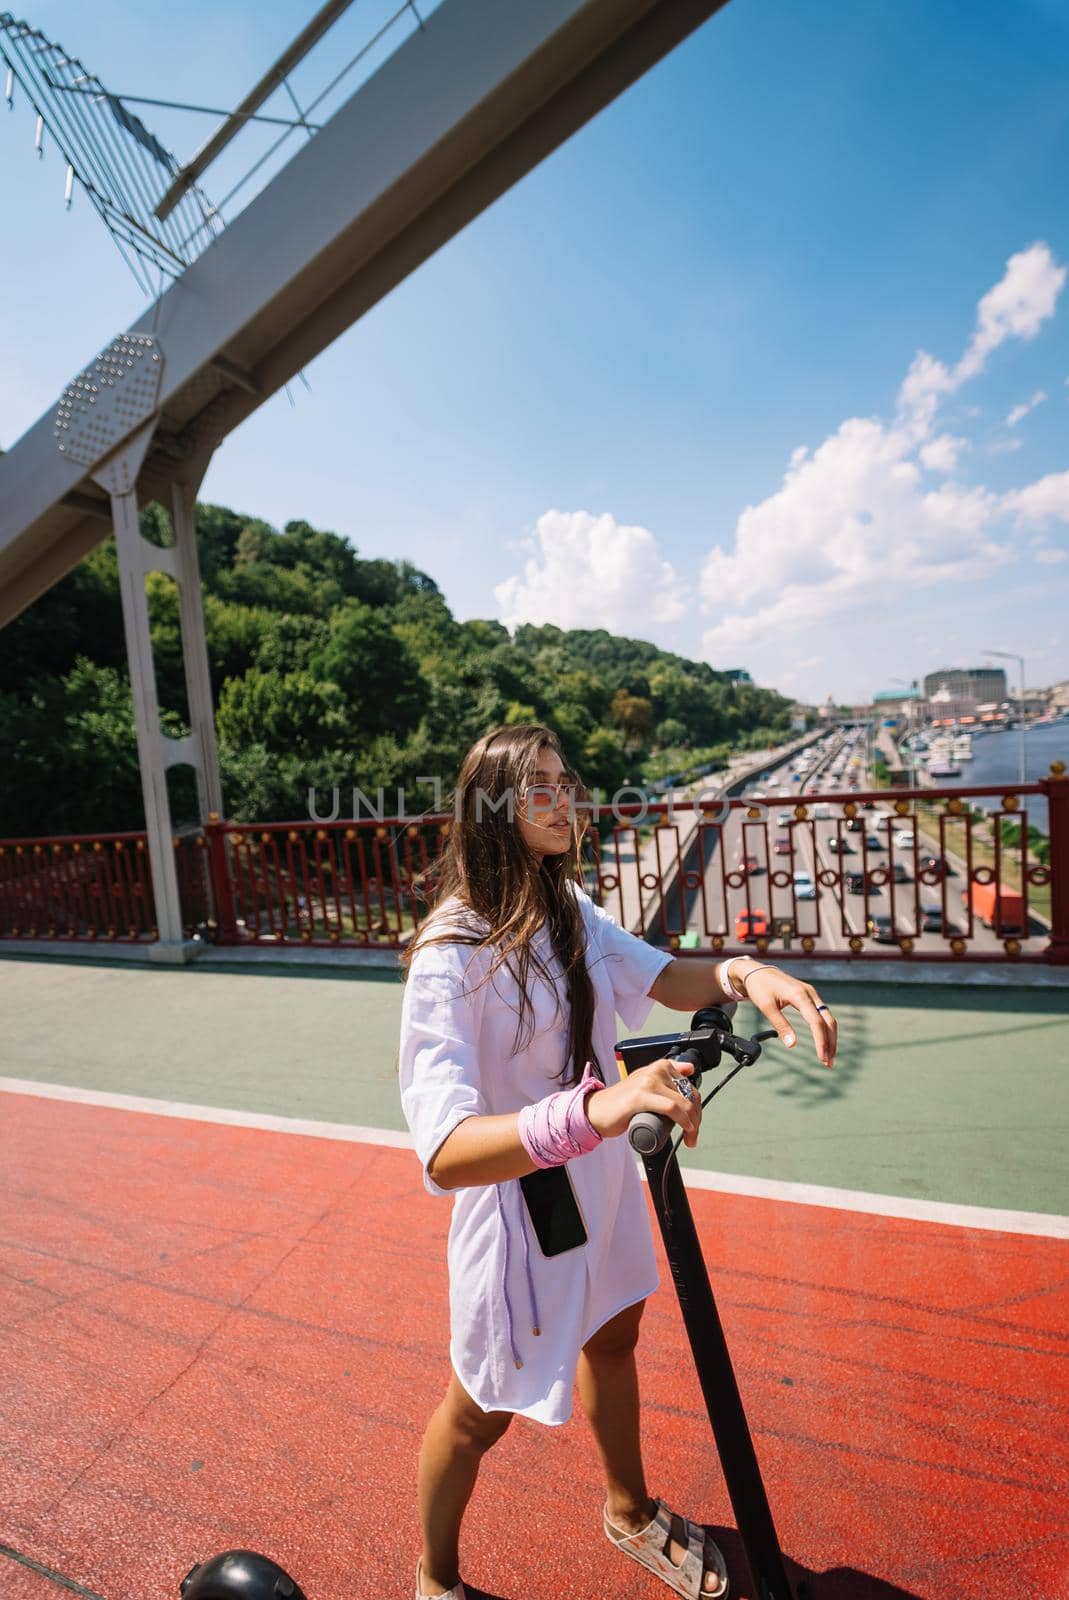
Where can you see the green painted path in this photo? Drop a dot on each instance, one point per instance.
(951, 1094)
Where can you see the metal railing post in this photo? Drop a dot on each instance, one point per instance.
(1056, 788)
(226, 925)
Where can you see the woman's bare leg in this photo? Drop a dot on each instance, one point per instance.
(608, 1388)
(457, 1437)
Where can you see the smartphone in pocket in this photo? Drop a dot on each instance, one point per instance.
(553, 1210)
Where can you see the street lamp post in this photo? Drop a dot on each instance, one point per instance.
(912, 708)
(1008, 655)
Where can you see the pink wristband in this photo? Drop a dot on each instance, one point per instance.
(557, 1128)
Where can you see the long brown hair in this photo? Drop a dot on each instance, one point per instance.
(490, 867)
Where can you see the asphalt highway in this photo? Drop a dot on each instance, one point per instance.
(724, 889)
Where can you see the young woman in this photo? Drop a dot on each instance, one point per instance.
(507, 1070)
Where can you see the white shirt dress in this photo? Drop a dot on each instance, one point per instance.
(457, 1061)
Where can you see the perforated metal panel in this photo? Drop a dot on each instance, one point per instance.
(110, 399)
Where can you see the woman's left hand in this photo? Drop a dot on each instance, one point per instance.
(772, 990)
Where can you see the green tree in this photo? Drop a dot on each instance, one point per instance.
(71, 755)
(605, 761)
(286, 712)
(634, 714)
(373, 668)
(670, 732)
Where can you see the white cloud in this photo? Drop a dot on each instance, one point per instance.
(1041, 502)
(1050, 557)
(922, 389)
(853, 522)
(592, 572)
(941, 454)
(790, 674)
(1020, 412)
(1017, 306)
(1003, 447)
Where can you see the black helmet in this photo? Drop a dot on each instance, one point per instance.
(239, 1575)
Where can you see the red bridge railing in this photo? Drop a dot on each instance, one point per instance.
(722, 876)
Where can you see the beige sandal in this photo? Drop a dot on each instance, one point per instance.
(649, 1547)
(457, 1592)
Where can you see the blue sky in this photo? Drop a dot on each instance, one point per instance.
(659, 387)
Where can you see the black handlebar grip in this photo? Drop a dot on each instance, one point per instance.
(648, 1131)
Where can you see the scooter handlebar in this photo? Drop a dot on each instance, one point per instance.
(648, 1131)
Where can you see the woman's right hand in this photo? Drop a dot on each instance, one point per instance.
(648, 1088)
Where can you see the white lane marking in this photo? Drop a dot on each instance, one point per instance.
(264, 1120)
(1048, 1224)
(1045, 1224)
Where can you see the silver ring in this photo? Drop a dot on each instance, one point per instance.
(685, 1089)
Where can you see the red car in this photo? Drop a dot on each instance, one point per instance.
(782, 847)
(748, 864)
(751, 925)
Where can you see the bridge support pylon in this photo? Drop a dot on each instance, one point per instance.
(156, 750)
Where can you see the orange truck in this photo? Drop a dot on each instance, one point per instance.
(984, 900)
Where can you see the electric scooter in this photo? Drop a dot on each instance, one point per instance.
(710, 1038)
(244, 1575)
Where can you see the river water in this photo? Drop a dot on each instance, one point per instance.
(997, 758)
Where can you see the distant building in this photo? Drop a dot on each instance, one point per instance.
(895, 697)
(737, 675)
(954, 692)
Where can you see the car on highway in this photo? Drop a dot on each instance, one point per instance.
(748, 864)
(855, 882)
(854, 825)
(785, 819)
(899, 873)
(782, 847)
(841, 847)
(932, 922)
(905, 839)
(881, 928)
(822, 811)
(936, 865)
(751, 925)
(804, 887)
(874, 842)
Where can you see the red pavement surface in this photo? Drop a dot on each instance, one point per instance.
(217, 1337)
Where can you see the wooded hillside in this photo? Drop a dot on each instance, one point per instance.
(328, 669)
